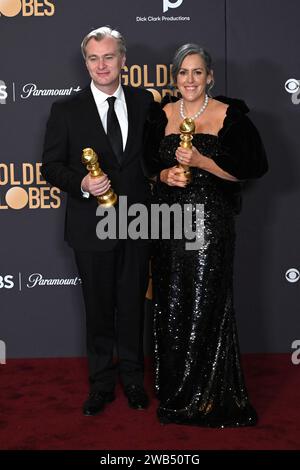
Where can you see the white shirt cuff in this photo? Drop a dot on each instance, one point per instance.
(85, 194)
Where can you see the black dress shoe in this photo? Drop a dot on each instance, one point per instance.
(137, 397)
(96, 402)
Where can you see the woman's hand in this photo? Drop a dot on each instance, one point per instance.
(190, 157)
(173, 176)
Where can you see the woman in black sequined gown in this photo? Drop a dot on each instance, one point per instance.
(199, 380)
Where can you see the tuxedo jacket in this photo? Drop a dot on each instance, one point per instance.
(73, 125)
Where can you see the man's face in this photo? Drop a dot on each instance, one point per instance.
(104, 63)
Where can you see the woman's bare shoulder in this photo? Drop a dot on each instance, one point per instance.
(218, 106)
(169, 109)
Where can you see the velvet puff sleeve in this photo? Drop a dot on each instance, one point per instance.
(242, 153)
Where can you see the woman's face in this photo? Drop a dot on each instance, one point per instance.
(192, 78)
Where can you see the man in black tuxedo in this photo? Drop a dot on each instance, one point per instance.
(109, 118)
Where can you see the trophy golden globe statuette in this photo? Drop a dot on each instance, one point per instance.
(90, 160)
(187, 128)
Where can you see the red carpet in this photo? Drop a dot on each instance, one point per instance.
(41, 399)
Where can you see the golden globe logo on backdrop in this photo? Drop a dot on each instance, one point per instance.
(156, 78)
(11, 8)
(22, 186)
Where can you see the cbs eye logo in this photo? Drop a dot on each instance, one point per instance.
(292, 85)
(292, 275)
(12, 8)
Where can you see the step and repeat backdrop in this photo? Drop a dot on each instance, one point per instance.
(254, 47)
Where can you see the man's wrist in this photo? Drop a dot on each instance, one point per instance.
(85, 194)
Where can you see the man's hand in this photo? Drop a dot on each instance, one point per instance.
(173, 176)
(95, 186)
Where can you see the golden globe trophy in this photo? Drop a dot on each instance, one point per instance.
(90, 160)
(187, 128)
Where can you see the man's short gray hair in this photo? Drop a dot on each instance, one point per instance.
(101, 33)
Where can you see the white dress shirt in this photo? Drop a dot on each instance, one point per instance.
(120, 109)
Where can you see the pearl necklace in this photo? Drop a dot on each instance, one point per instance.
(198, 113)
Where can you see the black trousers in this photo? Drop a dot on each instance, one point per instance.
(114, 288)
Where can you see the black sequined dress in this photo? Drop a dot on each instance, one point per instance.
(199, 380)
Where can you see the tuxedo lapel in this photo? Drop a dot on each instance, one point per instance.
(93, 122)
(132, 123)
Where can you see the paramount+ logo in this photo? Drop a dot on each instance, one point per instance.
(22, 186)
(11, 8)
